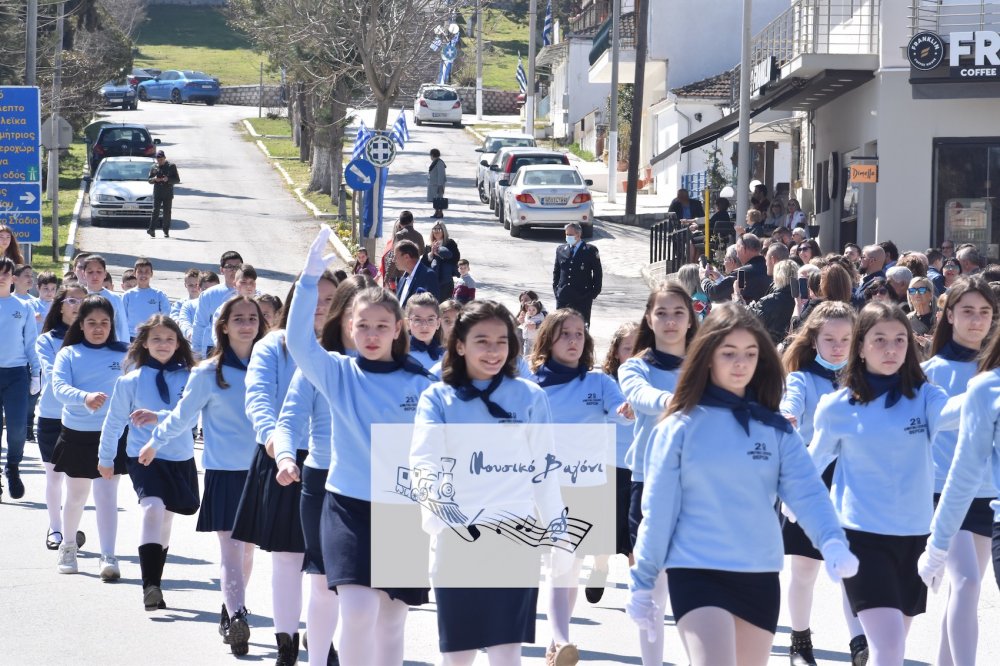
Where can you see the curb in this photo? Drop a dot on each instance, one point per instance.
(73, 226)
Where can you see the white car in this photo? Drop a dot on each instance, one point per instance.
(492, 143)
(547, 195)
(120, 189)
(437, 104)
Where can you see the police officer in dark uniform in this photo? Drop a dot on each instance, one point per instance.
(163, 176)
(577, 274)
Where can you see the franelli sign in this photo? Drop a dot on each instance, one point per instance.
(970, 55)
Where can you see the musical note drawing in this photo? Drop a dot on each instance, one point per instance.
(558, 525)
(564, 532)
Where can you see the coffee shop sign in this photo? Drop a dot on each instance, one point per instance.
(971, 55)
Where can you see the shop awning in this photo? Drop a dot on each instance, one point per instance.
(774, 126)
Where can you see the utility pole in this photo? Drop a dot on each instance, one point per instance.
(31, 44)
(743, 154)
(54, 153)
(641, 39)
(616, 14)
(479, 60)
(529, 100)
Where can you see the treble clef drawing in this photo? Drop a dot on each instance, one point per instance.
(558, 526)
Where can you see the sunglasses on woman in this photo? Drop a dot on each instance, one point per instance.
(913, 291)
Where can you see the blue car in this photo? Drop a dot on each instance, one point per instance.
(119, 94)
(179, 86)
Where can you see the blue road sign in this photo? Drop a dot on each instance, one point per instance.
(20, 162)
(360, 175)
(449, 53)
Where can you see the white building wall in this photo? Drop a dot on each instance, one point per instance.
(670, 127)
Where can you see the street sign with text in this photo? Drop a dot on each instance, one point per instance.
(20, 162)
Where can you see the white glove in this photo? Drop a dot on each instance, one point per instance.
(787, 513)
(36, 385)
(839, 560)
(930, 566)
(316, 261)
(641, 608)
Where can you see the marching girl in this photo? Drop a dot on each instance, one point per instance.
(381, 385)
(65, 307)
(424, 319)
(304, 420)
(480, 385)
(268, 512)
(562, 363)
(818, 352)
(83, 377)
(216, 391)
(969, 312)
(450, 310)
(164, 477)
(647, 380)
(879, 428)
(714, 468)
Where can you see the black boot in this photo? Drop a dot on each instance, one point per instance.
(332, 658)
(801, 651)
(288, 649)
(224, 625)
(14, 483)
(163, 563)
(151, 567)
(238, 633)
(859, 650)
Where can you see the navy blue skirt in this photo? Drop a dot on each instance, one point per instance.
(887, 573)
(635, 511)
(76, 453)
(979, 518)
(310, 512)
(345, 529)
(269, 512)
(753, 597)
(623, 500)
(174, 482)
(220, 500)
(47, 434)
(474, 618)
(795, 539)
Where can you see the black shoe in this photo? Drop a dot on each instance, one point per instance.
(332, 658)
(152, 234)
(859, 650)
(152, 598)
(14, 482)
(595, 585)
(224, 625)
(238, 633)
(288, 649)
(801, 651)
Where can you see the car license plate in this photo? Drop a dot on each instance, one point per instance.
(130, 206)
(554, 201)
(438, 115)
(207, 86)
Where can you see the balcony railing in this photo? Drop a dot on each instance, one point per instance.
(943, 19)
(590, 18)
(602, 40)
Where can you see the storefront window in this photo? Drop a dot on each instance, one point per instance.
(964, 201)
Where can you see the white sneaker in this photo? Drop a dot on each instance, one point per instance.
(67, 558)
(109, 568)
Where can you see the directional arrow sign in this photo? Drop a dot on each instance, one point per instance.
(360, 175)
(20, 162)
(23, 197)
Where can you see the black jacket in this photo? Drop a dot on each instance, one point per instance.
(444, 265)
(577, 277)
(758, 282)
(677, 208)
(164, 190)
(775, 311)
(424, 279)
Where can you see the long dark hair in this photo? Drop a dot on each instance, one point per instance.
(13, 250)
(138, 355)
(454, 372)
(54, 318)
(222, 340)
(611, 362)
(647, 338)
(549, 332)
(90, 304)
(768, 379)
(958, 289)
(802, 350)
(911, 376)
(330, 338)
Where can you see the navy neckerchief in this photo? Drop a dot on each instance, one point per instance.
(161, 380)
(59, 331)
(113, 345)
(743, 409)
(434, 350)
(408, 364)
(553, 374)
(952, 351)
(887, 385)
(662, 360)
(814, 368)
(230, 358)
(468, 392)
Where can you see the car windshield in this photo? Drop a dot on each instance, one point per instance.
(537, 159)
(197, 75)
(123, 171)
(115, 83)
(440, 95)
(551, 177)
(124, 135)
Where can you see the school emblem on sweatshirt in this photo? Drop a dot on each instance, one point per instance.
(592, 400)
(409, 404)
(17, 314)
(916, 426)
(759, 452)
(115, 365)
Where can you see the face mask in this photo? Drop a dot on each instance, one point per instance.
(571, 240)
(829, 366)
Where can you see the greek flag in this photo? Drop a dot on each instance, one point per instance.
(445, 72)
(547, 26)
(522, 78)
(400, 132)
(360, 140)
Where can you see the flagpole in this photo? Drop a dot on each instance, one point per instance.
(529, 99)
(479, 60)
(613, 120)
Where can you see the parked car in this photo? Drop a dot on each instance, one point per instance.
(179, 86)
(120, 189)
(140, 74)
(493, 142)
(120, 94)
(545, 195)
(437, 104)
(512, 160)
(116, 139)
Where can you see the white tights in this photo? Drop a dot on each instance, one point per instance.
(712, 636)
(562, 599)
(286, 591)
(105, 503)
(321, 616)
(508, 654)
(373, 627)
(54, 497)
(885, 629)
(237, 561)
(156, 522)
(968, 558)
(801, 583)
(652, 650)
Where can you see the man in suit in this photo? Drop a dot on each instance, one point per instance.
(577, 273)
(415, 277)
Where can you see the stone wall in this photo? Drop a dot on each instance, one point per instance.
(495, 102)
(250, 95)
(198, 3)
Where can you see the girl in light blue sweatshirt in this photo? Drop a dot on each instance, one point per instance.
(216, 391)
(423, 319)
(83, 377)
(165, 480)
(715, 468)
(969, 312)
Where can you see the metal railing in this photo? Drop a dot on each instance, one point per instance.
(590, 18)
(669, 241)
(941, 18)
